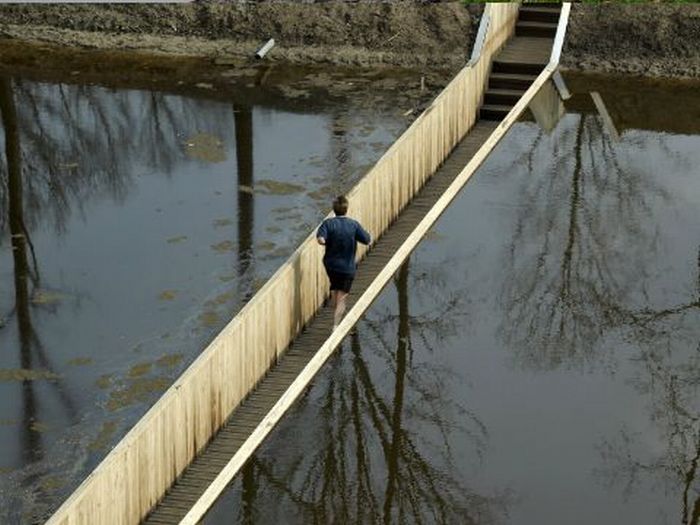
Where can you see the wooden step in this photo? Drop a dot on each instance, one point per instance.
(495, 96)
(520, 68)
(542, 5)
(538, 14)
(510, 80)
(494, 111)
(538, 29)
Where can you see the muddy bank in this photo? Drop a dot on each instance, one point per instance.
(365, 34)
(278, 85)
(661, 40)
(651, 39)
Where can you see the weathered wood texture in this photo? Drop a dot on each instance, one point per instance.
(137, 472)
(206, 478)
(382, 262)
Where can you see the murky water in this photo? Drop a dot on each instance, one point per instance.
(537, 361)
(134, 224)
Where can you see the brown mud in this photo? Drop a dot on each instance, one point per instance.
(406, 34)
(655, 39)
(277, 85)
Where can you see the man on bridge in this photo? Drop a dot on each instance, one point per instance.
(340, 235)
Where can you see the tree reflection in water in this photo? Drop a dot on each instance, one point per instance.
(586, 219)
(32, 355)
(372, 443)
(667, 372)
(64, 145)
(578, 273)
(81, 141)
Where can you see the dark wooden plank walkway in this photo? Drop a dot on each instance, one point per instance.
(206, 466)
(522, 59)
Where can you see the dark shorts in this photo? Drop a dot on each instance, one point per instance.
(340, 281)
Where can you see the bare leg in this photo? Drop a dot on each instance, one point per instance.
(339, 307)
(334, 304)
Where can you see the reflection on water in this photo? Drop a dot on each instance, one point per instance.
(134, 224)
(378, 434)
(577, 290)
(608, 275)
(244, 162)
(540, 361)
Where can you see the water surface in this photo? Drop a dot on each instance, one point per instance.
(537, 359)
(134, 224)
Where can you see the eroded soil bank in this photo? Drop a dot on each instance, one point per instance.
(656, 39)
(661, 40)
(364, 34)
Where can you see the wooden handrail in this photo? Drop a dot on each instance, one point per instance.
(561, 33)
(480, 36)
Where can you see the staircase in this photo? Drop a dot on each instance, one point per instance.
(523, 58)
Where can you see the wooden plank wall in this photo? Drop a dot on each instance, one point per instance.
(302, 381)
(138, 471)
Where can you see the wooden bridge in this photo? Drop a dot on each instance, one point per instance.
(176, 461)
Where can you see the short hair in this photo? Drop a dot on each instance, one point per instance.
(340, 205)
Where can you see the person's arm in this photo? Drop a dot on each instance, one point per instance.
(361, 235)
(322, 234)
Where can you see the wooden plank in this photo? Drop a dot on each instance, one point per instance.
(560, 34)
(608, 123)
(272, 418)
(139, 470)
(399, 231)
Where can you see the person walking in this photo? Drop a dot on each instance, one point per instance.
(340, 235)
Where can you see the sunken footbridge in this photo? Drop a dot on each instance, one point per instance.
(175, 462)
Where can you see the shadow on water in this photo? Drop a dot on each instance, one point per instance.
(570, 280)
(363, 447)
(79, 142)
(33, 359)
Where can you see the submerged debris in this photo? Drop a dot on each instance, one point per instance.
(205, 147)
(275, 187)
(24, 374)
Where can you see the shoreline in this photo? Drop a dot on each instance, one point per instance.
(365, 34)
(653, 40)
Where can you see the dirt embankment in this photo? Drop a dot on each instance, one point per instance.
(657, 39)
(652, 39)
(409, 34)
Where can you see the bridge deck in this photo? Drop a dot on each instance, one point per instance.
(523, 54)
(202, 471)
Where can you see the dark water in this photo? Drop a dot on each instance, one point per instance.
(537, 361)
(133, 225)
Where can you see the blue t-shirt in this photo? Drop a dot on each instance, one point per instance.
(341, 235)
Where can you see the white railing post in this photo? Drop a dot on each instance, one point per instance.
(480, 36)
(561, 33)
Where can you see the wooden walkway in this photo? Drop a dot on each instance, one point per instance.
(202, 471)
(513, 72)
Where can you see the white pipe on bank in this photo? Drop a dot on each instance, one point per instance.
(264, 49)
(561, 34)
